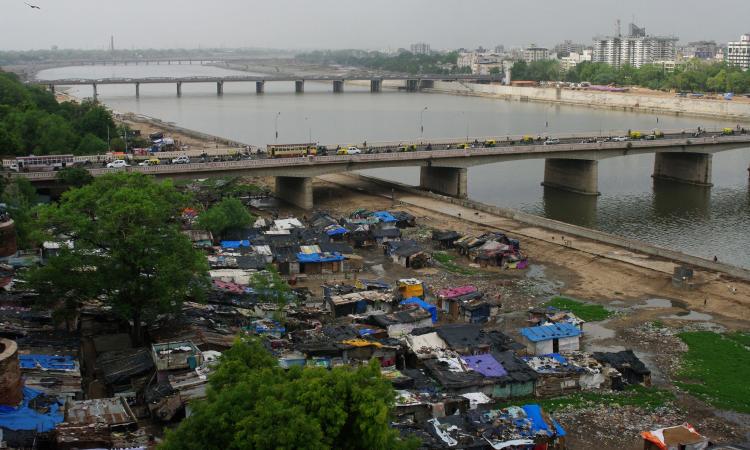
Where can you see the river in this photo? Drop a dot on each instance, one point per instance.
(700, 221)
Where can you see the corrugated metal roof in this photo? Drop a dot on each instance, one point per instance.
(553, 331)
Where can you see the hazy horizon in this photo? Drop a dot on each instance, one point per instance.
(297, 25)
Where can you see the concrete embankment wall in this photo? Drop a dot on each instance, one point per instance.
(574, 230)
(723, 109)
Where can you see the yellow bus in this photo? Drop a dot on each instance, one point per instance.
(291, 150)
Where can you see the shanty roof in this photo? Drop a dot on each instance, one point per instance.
(384, 216)
(319, 257)
(674, 437)
(551, 331)
(485, 364)
(111, 411)
(456, 291)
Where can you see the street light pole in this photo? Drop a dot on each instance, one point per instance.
(276, 126)
(421, 122)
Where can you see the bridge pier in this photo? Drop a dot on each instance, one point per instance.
(179, 88)
(260, 87)
(689, 168)
(426, 84)
(137, 90)
(412, 85)
(299, 86)
(376, 85)
(219, 88)
(295, 190)
(96, 94)
(338, 86)
(580, 176)
(451, 181)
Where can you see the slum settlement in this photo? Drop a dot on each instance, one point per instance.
(462, 380)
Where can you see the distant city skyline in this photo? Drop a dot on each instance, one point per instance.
(295, 24)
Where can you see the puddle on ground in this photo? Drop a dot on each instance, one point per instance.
(691, 315)
(655, 303)
(594, 333)
(537, 284)
(617, 302)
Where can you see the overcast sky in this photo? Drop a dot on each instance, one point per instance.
(376, 24)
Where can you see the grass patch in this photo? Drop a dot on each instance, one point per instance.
(648, 398)
(715, 368)
(589, 312)
(446, 262)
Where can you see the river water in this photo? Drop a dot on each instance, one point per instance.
(701, 221)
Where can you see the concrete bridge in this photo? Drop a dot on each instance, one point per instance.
(411, 83)
(568, 166)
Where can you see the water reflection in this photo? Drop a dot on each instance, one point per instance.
(680, 199)
(570, 207)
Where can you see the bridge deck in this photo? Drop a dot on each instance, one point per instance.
(262, 78)
(457, 157)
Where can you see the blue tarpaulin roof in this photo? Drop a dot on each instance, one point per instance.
(235, 244)
(432, 309)
(24, 418)
(47, 362)
(534, 414)
(547, 332)
(384, 216)
(335, 231)
(318, 257)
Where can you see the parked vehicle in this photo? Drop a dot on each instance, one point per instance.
(183, 159)
(117, 164)
(552, 141)
(620, 139)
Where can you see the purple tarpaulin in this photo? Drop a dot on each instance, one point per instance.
(486, 364)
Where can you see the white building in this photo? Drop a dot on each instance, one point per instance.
(573, 59)
(482, 63)
(635, 49)
(420, 48)
(534, 53)
(738, 52)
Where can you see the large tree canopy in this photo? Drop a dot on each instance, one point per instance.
(32, 121)
(253, 403)
(128, 249)
(227, 214)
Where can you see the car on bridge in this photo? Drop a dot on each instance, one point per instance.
(620, 139)
(117, 164)
(183, 159)
(552, 141)
(349, 151)
(150, 162)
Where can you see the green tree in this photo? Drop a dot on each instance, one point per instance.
(270, 287)
(117, 144)
(91, 145)
(75, 176)
(56, 136)
(128, 242)
(228, 214)
(253, 403)
(20, 197)
(96, 120)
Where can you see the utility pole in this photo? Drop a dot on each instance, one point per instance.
(421, 122)
(276, 126)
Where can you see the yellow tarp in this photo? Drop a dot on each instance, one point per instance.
(361, 343)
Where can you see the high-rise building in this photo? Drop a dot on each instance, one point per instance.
(738, 52)
(420, 48)
(635, 49)
(567, 47)
(700, 50)
(533, 53)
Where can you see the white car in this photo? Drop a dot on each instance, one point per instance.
(181, 160)
(118, 163)
(620, 139)
(551, 141)
(353, 151)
